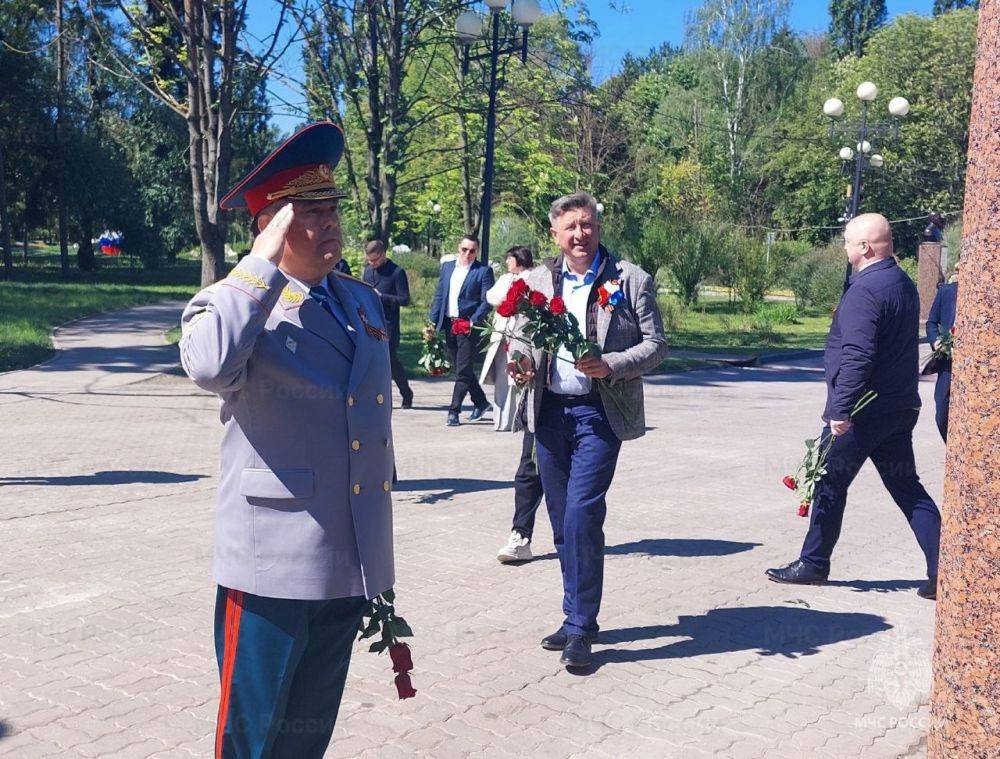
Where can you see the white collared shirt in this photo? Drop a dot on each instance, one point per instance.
(454, 286)
(565, 379)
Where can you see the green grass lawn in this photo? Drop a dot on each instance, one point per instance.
(38, 299)
(716, 326)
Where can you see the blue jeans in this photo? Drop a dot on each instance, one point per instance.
(888, 441)
(282, 665)
(577, 455)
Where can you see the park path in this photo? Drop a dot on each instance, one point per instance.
(106, 489)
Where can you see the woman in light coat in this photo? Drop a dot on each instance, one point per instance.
(519, 261)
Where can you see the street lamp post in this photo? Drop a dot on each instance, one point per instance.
(866, 131)
(469, 26)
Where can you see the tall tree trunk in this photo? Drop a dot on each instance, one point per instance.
(8, 254)
(376, 128)
(60, 148)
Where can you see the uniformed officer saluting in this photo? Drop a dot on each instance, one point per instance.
(303, 531)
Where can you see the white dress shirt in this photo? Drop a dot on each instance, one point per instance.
(454, 286)
(565, 378)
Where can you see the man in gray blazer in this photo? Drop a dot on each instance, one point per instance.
(299, 358)
(578, 424)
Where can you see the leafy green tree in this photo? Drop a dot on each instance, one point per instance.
(853, 22)
(943, 6)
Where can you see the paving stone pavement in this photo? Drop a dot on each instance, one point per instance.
(106, 492)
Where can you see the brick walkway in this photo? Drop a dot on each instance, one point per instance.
(106, 598)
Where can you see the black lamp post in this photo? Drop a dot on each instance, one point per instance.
(866, 131)
(513, 39)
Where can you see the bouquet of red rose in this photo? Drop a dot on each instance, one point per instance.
(940, 359)
(435, 357)
(380, 619)
(813, 465)
(550, 327)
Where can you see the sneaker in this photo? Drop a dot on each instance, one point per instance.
(517, 549)
(477, 413)
(452, 419)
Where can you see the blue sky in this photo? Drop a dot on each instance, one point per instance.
(644, 25)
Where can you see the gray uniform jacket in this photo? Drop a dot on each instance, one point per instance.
(631, 337)
(304, 509)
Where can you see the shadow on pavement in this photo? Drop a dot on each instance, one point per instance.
(141, 358)
(769, 630)
(137, 477)
(446, 488)
(877, 586)
(4, 729)
(684, 547)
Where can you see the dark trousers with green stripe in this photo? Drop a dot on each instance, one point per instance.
(282, 665)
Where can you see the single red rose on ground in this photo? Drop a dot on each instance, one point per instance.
(804, 509)
(537, 299)
(404, 687)
(461, 327)
(506, 309)
(790, 482)
(557, 306)
(401, 659)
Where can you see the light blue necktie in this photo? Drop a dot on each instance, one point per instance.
(333, 307)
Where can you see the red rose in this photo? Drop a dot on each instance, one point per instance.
(506, 309)
(804, 509)
(557, 306)
(519, 289)
(401, 659)
(537, 299)
(790, 482)
(602, 296)
(404, 687)
(461, 327)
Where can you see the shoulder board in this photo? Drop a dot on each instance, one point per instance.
(349, 278)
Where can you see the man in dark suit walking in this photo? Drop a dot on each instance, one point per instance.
(939, 322)
(872, 346)
(461, 295)
(393, 288)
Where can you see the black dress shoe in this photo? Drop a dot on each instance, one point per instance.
(929, 589)
(453, 419)
(477, 413)
(407, 402)
(556, 641)
(576, 655)
(798, 573)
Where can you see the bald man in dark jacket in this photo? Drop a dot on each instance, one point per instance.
(872, 347)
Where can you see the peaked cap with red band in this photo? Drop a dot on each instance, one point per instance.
(301, 168)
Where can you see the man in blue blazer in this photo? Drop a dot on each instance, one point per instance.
(872, 346)
(461, 294)
(939, 322)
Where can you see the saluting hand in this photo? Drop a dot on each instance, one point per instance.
(270, 243)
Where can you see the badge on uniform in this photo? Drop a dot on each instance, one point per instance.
(290, 344)
(377, 332)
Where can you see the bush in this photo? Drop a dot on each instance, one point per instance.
(690, 253)
(673, 311)
(779, 313)
(817, 277)
(753, 272)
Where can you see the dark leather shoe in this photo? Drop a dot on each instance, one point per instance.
(798, 573)
(929, 589)
(556, 641)
(453, 419)
(407, 402)
(477, 413)
(576, 655)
